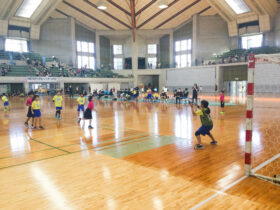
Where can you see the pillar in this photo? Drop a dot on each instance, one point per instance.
(171, 49)
(195, 35)
(73, 40)
(26, 87)
(97, 48)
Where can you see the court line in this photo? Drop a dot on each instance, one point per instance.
(50, 145)
(236, 182)
(218, 193)
(28, 153)
(254, 170)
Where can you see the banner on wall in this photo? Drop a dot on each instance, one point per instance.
(41, 79)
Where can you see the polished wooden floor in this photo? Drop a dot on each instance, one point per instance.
(138, 156)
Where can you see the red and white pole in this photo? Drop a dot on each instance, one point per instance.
(249, 114)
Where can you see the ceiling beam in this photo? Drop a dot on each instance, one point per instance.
(47, 12)
(88, 15)
(132, 8)
(14, 7)
(59, 11)
(204, 10)
(156, 14)
(108, 14)
(178, 13)
(119, 7)
(145, 7)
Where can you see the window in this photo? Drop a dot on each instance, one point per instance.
(16, 45)
(183, 55)
(183, 45)
(238, 6)
(86, 56)
(117, 49)
(86, 47)
(118, 63)
(152, 49)
(27, 8)
(252, 41)
(152, 63)
(86, 61)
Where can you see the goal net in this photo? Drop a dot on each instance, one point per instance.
(262, 152)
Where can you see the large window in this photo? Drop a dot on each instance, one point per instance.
(152, 63)
(183, 49)
(15, 45)
(27, 8)
(252, 41)
(117, 49)
(152, 49)
(86, 54)
(118, 57)
(118, 63)
(238, 6)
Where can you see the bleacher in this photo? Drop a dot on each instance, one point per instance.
(21, 71)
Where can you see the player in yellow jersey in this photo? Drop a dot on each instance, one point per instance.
(81, 105)
(57, 99)
(36, 112)
(6, 102)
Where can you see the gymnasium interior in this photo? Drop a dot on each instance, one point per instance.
(152, 74)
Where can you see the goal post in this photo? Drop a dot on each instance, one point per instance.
(262, 135)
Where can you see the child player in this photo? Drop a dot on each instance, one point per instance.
(35, 109)
(222, 100)
(6, 102)
(81, 105)
(29, 112)
(88, 112)
(57, 99)
(207, 124)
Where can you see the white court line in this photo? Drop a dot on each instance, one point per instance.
(265, 163)
(218, 193)
(236, 182)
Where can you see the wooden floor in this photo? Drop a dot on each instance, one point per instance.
(138, 156)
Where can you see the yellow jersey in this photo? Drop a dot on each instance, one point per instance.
(57, 101)
(36, 105)
(4, 98)
(81, 100)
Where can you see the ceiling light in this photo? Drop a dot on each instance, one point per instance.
(238, 6)
(101, 5)
(162, 4)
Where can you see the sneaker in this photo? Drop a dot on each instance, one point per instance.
(41, 127)
(35, 128)
(59, 118)
(90, 127)
(79, 120)
(199, 147)
(214, 142)
(26, 124)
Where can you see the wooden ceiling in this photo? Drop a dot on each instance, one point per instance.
(144, 14)
(118, 14)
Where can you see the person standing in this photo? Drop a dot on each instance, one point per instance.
(71, 91)
(195, 93)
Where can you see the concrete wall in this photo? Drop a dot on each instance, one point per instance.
(105, 51)
(184, 32)
(84, 34)
(186, 77)
(277, 29)
(55, 40)
(212, 37)
(164, 50)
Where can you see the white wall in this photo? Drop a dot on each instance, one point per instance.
(267, 78)
(185, 78)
